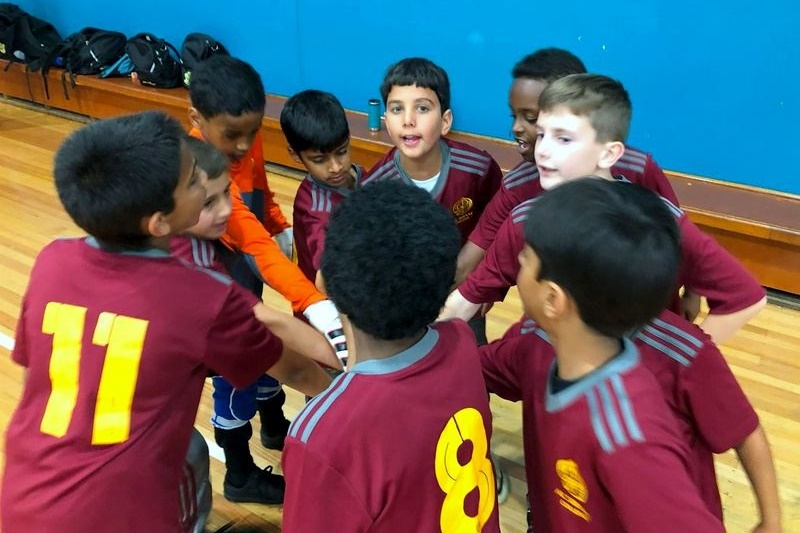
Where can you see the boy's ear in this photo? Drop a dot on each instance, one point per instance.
(294, 155)
(195, 118)
(447, 121)
(557, 302)
(156, 225)
(612, 151)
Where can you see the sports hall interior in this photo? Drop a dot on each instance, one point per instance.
(754, 213)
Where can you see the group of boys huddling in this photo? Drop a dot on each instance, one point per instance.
(625, 401)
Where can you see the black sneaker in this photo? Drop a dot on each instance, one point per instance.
(273, 437)
(262, 487)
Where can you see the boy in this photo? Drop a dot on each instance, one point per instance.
(712, 411)
(463, 179)
(602, 450)
(200, 245)
(109, 327)
(346, 453)
(416, 94)
(530, 76)
(318, 136)
(234, 411)
(583, 121)
(228, 101)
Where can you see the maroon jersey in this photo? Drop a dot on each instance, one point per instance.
(117, 347)
(522, 183)
(199, 252)
(713, 413)
(706, 267)
(468, 179)
(396, 445)
(602, 453)
(313, 205)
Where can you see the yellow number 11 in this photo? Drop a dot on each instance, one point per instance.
(123, 337)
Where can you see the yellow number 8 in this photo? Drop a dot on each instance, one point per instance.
(459, 480)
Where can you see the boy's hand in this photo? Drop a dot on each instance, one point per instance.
(690, 305)
(325, 318)
(284, 240)
(768, 528)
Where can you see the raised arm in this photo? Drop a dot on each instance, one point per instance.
(298, 336)
(492, 278)
(246, 234)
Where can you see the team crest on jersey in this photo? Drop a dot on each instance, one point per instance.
(462, 209)
(573, 493)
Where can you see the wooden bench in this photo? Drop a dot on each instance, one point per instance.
(760, 227)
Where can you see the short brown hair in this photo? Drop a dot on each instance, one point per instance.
(602, 99)
(209, 159)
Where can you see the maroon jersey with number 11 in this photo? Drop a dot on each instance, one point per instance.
(117, 347)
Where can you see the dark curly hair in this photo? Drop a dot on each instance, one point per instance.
(390, 259)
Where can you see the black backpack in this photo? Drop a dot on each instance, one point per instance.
(90, 51)
(32, 39)
(34, 42)
(198, 47)
(9, 18)
(156, 62)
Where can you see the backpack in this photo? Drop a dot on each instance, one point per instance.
(198, 47)
(32, 39)
(89, 51)
(121, 68)
(34, 42)
(155, 61)
(9, 18)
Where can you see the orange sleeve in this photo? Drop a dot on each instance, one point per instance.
(246, 234)
(274, 220)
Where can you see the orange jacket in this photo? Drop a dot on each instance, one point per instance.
(251, 178)
(246, 234)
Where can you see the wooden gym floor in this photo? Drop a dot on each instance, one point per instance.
(765, 355)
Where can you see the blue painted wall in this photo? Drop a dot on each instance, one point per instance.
(710, 81)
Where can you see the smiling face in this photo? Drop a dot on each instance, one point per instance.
(231, 135)
(567, 148)
(523, 100)
(213, 220)
(415, 121)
